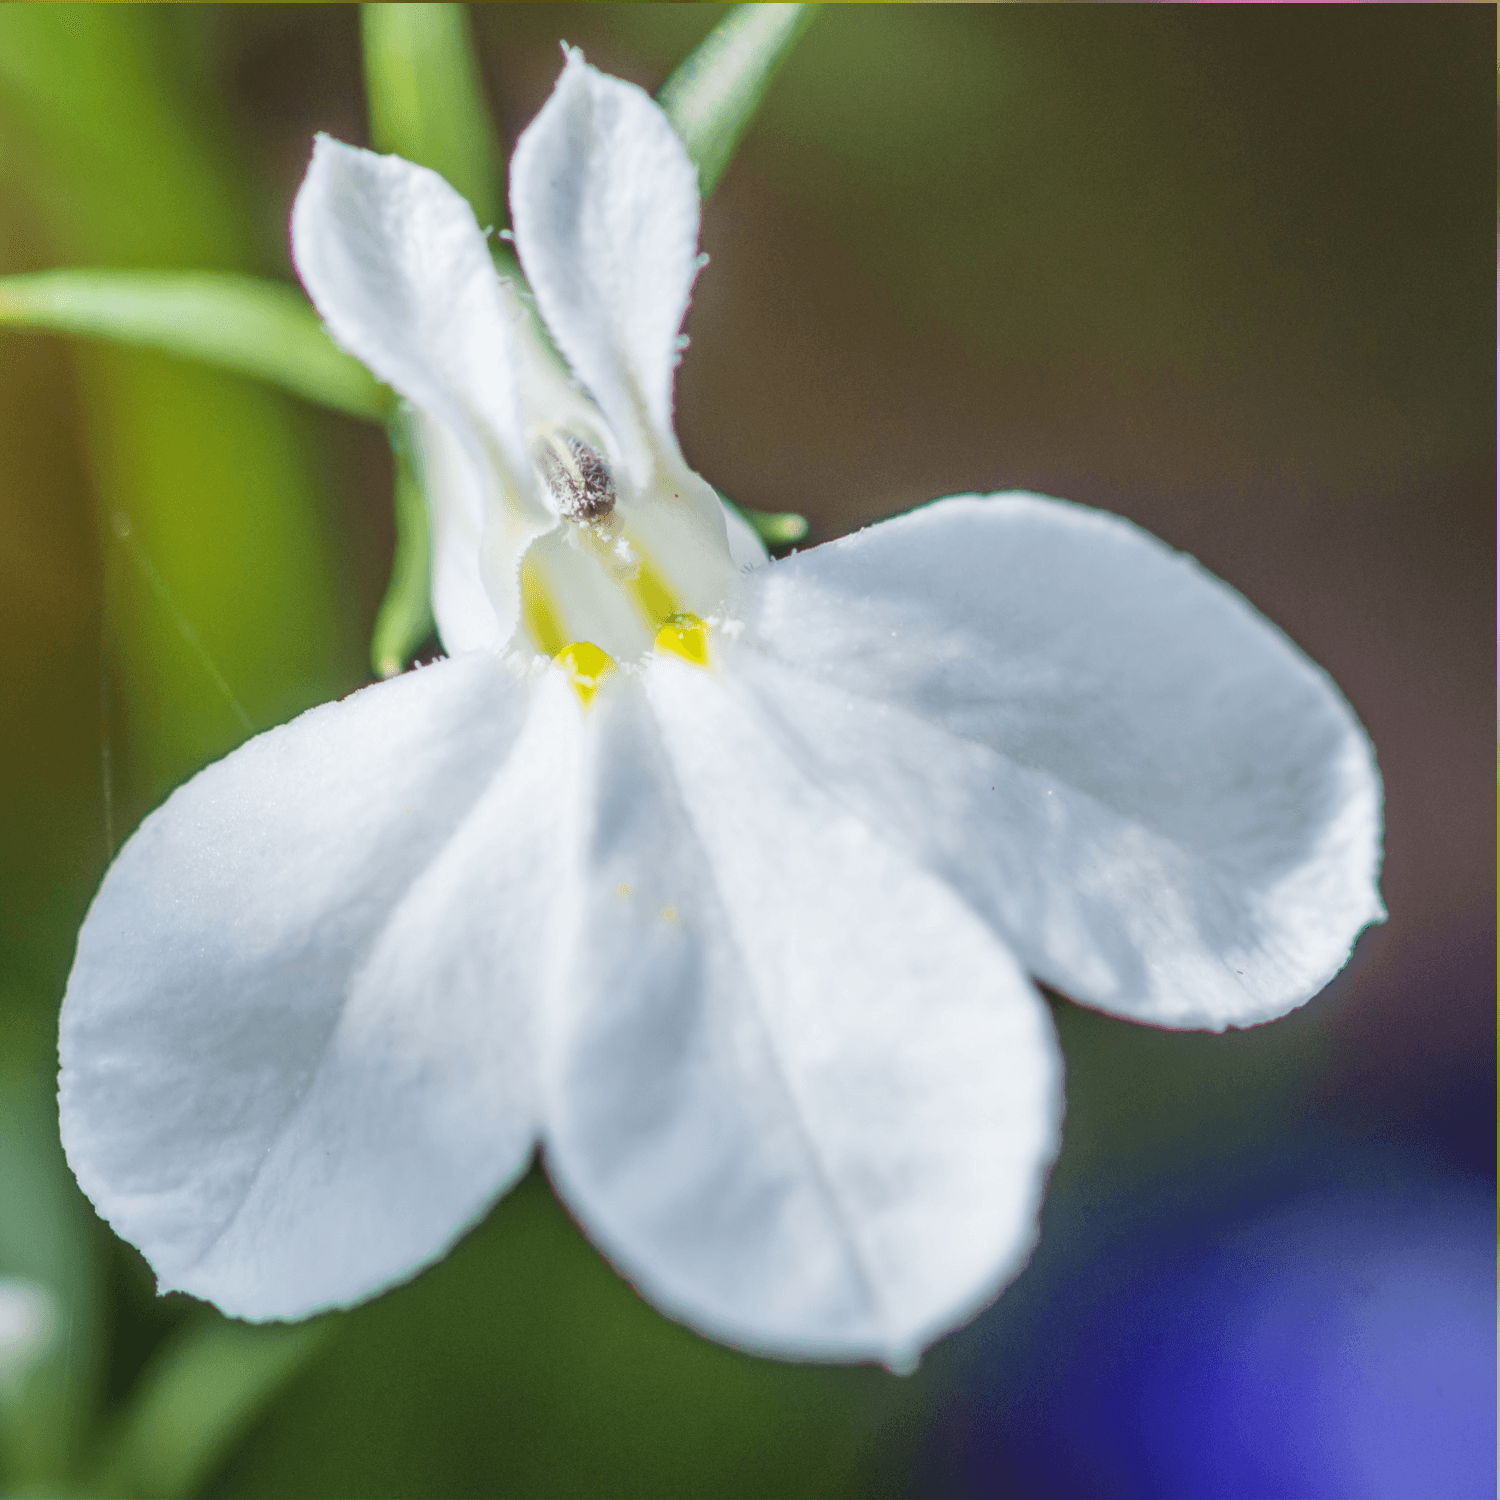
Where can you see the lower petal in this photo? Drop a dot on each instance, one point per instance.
(296, 1041)
(1168, 810)
(794, 1088)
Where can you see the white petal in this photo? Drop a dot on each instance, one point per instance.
(605, 203)
(296, 1042)
(392, 258)
(745, 546)
(1167, 810)
(682, 530)
(792, 1086)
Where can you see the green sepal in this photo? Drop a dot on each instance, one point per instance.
(239, 323)
(405, 620)
(776, 528)
(717, 88)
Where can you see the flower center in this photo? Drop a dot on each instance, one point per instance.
(628, 569)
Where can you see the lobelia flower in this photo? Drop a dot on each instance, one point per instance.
(720, 880)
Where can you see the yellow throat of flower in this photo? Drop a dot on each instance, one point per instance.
(626, 569)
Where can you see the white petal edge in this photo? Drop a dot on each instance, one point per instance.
(1167, 810)
(746, 550)
(794, 1089)
(296, 1049)
(398, 269)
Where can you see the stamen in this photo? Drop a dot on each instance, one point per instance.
(577, 477)
(686, 636)
(587, 666)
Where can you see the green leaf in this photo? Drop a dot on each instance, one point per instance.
(405, 617)
(126, 151)
(47, 1246)
(199, 1395)
(715, 92)
(523, 1366)
(240, 323)
(427, 100)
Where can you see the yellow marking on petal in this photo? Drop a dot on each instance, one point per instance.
(686, 636)
(624, 891)
(669, 914)
(539, 612)
(587, 666)
(652, 593)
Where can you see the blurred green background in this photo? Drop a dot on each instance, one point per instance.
(1224, 270)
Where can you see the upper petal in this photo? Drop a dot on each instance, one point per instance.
(605, 203)
(397, 268)
(792, 1085)
(1164, 806)
(296, 1044)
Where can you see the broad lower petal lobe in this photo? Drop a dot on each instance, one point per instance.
(397, 268)
(605, 203)
(1165, 807)
(792, 1086)
(296, 1045)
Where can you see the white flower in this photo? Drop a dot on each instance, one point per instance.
(736, 923)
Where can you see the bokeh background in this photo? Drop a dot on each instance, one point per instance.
(1222, 270)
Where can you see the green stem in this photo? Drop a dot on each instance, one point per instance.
(405, 617)
(427, 102)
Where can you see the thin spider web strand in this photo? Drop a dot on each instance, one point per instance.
(126, 535)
